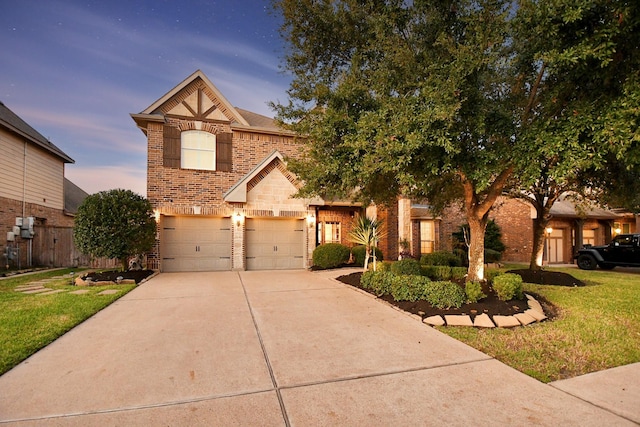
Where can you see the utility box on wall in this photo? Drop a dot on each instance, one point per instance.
(26, 227)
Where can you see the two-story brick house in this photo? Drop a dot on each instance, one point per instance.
(217, 178)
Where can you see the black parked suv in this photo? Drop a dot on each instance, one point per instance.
(623, 251)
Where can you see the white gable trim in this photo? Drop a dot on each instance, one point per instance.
(153, 107)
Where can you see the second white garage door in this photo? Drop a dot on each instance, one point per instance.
(196, 243)
(274, 244)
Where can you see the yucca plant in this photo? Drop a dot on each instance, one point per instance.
(367, 232)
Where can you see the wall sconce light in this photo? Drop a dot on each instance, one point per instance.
(156, 215)
(311, 220)
(617, 231)
(549, 230)
(237, 218)
(197, 210)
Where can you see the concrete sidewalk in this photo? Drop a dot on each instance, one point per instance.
(279, 348)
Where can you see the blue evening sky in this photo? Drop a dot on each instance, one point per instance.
(74, 70)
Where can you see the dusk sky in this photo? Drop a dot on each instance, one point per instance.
(74, 70)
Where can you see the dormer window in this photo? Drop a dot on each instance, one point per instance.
(198, 150)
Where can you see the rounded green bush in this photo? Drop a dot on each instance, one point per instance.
(440, 258)
(444, 294)
(359, 253)
(508, 286)
(330, 255)
(491, 273)
(474, 293)
(406, 267)
(438, 272)
(378, 282)
(408, 288)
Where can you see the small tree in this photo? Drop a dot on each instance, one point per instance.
(115, 224)
(367, 232)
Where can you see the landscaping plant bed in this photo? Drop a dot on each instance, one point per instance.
(113, 275)
(490, 305)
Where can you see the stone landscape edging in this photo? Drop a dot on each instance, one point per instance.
(535, 314)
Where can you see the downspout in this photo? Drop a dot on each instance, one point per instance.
(24, 180)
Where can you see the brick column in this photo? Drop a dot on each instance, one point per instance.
(238, 259)
(404, 220)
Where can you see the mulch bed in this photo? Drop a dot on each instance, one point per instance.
(490, 305)
(112, 275)
(544, 277)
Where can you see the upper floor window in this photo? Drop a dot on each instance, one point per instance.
(198, 150)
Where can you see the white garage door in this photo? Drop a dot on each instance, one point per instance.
(195, 243)
(274, 244)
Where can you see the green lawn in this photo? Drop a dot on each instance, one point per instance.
(598, 327)
(30, 322)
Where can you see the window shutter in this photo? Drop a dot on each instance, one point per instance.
(171, 151)
(224, 152)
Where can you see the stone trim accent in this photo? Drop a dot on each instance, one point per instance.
(534, 314)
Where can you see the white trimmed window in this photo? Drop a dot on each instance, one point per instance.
(331, 232)
(427, 236)
(198, 150)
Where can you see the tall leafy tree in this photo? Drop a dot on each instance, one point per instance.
(585, 111)
(434, 99)
(115, 224)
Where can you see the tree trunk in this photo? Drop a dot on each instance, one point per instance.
(477, 210)
(477, 227)
(539, 226)
(366, 258)
(542, 202)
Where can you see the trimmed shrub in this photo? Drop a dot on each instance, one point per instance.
(491, 256)
(378, 282)
(330, 255)
(385, 266)
(491, 273)
(406, 267)
(474, 293)
(508, 286)
(359, 253)
(408, 288)
(440, 258)
(458, 273)
(444, 294)
(437, 272)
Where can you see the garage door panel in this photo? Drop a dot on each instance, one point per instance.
(274, 244)
(196, 244)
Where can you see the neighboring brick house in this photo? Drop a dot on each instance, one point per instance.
(570, 229)
(34, 192)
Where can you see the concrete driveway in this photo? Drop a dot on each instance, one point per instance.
(272, 348)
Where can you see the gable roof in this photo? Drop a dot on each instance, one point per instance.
(163, 104)
(13, 123)
(564, 208)
(258, 120)
(197, 96)
(73, 197)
